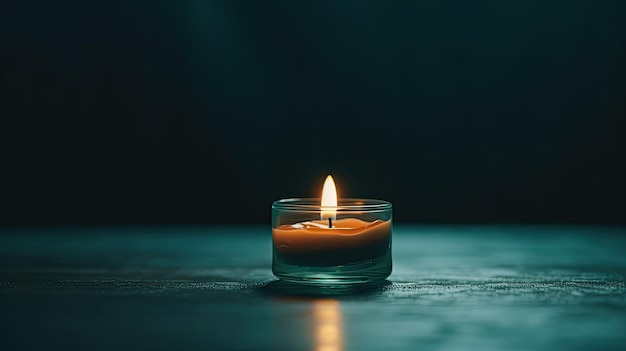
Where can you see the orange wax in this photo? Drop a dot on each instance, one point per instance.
(349, 240)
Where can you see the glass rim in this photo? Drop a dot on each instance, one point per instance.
(343, 204)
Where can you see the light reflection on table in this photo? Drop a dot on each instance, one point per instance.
(328, 322)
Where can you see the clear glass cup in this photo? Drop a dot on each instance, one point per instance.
(351, 245)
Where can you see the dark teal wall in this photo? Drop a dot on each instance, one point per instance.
(457, 111)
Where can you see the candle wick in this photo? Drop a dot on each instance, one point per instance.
(330, 222)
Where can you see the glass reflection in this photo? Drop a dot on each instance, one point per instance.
(327, 321)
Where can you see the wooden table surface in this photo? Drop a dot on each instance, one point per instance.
(211, 288)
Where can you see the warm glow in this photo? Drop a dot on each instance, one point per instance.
(329, 199)
(328, 328)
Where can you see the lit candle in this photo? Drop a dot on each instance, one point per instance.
(350, 242)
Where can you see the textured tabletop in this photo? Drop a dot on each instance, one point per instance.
(211, 288)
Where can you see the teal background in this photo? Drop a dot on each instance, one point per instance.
(163, 112)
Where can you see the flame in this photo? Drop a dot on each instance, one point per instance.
(329, 199)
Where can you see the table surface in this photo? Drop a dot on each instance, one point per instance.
(211, 288)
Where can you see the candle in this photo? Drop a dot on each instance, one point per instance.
(349, 241)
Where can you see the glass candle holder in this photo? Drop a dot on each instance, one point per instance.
(352, 246)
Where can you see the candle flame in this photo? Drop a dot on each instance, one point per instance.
(329, 199)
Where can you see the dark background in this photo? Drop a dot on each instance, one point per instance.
(163, 112)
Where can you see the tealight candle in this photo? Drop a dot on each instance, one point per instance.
(331, 240)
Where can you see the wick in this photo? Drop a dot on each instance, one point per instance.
(330, 222)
